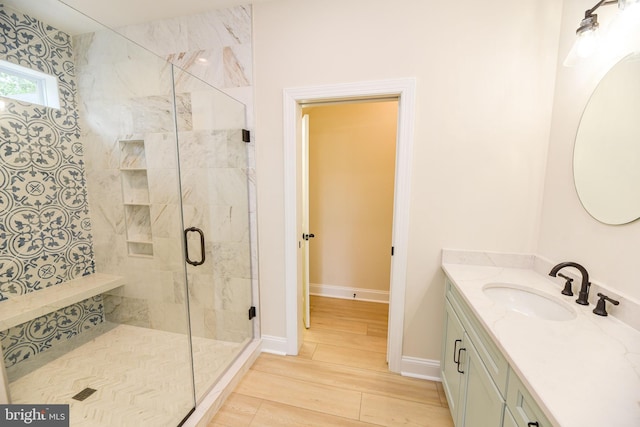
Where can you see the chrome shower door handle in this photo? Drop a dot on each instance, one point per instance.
(186, 246)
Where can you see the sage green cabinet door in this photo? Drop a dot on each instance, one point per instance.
(482, 404)
(523, 407)
(451, 351)
(508, 419)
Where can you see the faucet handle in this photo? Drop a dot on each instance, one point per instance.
(601, 309)
(567, 285)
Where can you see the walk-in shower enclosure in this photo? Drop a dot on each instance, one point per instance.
(125, 253)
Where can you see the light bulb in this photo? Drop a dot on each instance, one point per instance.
(616, 37)
(587, 43)
(622, 32)
(624, 4)
(625, 21)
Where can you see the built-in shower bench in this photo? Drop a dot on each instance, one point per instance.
(18, 310)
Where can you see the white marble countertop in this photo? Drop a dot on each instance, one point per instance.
(583, 372)
(23, 308)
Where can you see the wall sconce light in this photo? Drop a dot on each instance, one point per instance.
(588, 37)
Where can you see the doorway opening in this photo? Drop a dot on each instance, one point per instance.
(348, 168)
(294, 99)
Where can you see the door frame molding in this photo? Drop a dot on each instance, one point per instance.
(293, 98)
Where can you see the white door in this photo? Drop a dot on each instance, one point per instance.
(305, 219)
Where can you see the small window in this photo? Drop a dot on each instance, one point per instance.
(27, 85)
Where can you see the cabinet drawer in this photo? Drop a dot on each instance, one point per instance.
(523, 407)
(494, 361)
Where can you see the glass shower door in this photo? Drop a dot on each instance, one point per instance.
(130, 144)
(215, 209)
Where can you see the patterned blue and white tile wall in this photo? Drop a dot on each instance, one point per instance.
(45, 227)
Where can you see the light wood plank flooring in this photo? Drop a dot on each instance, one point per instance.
(340, 378)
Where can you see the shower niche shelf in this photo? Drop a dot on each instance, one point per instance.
(135, 198)
(132, 154)
(135, 187)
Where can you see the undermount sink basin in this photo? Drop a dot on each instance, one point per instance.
(528, 302)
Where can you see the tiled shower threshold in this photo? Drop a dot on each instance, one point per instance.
(141, 376)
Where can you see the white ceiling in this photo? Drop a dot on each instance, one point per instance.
(114, 13)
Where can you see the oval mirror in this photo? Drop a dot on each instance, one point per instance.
(606, 156)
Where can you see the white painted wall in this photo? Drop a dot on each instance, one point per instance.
(485, 73)
(567, 232)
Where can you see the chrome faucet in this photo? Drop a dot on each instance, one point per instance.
(583, 295)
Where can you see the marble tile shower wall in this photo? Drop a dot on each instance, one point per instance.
(45, 227)
(216, 47)
(127, 96)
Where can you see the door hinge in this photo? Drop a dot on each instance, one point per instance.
(392, 250)
(252, 312)
(246, 135)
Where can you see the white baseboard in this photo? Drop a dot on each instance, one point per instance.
(413, 367)
(345, 292)
(274, 345)
(424, 369)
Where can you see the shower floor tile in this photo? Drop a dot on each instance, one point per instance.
(142, 377)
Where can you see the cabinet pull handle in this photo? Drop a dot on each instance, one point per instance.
(455, 349)
(458, 362)
(533, 424)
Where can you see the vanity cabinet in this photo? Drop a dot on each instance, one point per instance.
(469, 366)
(481, 388)
(452, 346)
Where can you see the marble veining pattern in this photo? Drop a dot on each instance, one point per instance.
(204, 177)
(589, 362)
(153, 114)
(214, 46)
(45, 226)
